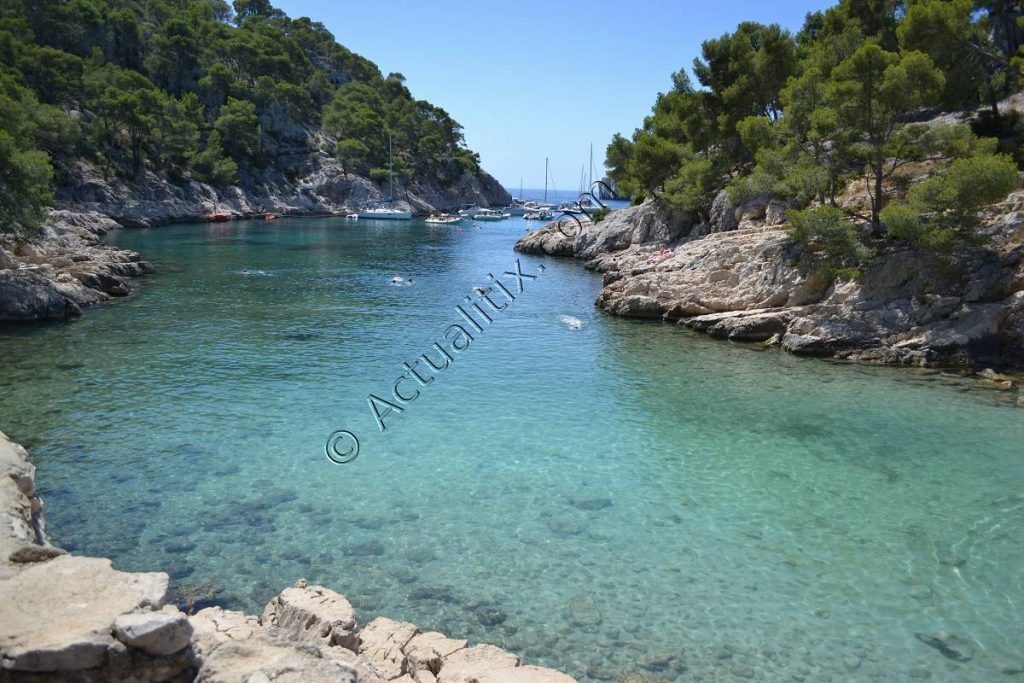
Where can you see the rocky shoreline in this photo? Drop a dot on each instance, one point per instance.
(69, 618)
(153, 199)
(735, 276)
(67, 268)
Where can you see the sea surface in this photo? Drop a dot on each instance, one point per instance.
(597, 495)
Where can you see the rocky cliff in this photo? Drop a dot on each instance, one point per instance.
(735, 276)
(66, 269)
(153, 199)
(67, 618)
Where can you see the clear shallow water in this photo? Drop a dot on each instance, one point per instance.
(620, 497)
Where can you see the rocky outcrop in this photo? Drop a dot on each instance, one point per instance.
(65, 618)
(324, 188)
(66, 269)
(736, 276)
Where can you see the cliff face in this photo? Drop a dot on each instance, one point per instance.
(67, 268)
(152, 199)
(66, 618)
(736, 277)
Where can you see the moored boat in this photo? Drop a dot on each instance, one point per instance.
(490, 215)
(383, 213)
(443, 219)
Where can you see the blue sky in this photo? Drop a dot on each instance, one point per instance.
(534, 79)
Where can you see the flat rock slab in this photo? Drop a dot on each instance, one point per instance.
(215, 625)
(525, 674)
(264, 658)
(382, 641)
(468, 664)
(59, 615)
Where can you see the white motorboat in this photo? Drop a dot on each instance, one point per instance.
(491, 215)
(443, 219)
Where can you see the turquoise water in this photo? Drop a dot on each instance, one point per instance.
(615, 498)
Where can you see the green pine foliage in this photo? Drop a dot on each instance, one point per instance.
(798, 117)
(195, 89)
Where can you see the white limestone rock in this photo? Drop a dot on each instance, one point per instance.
(312, 614)
(156, 633)
(382, 642)
(59, 615)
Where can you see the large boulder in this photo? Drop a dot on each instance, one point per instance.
(740, 270)
(27, 296)
(312, 614)
(157, 633)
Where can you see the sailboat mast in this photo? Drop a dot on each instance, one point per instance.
(391, 172)
(545, 180)
(590, 174)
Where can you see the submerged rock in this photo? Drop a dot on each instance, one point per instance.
(952, 645)
(590, 504)
(69, 619)
(583, 612)
(490, 616)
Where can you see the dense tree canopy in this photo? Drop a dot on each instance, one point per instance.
(799, 117)
(195, 89)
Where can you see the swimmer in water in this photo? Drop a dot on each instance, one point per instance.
(396, 280)
(408, 283)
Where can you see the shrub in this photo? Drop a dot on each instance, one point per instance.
(832, 245)
(944, 209)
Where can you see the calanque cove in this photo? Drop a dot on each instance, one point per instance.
(757, 417)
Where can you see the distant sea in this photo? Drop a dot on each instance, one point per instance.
(556, 196)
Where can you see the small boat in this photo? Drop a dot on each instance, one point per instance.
(490, 215)
(469, 210)
(539, 215)
(382, 213)
(218, 216)
(270, 216)
(352, 217)
(443, 219)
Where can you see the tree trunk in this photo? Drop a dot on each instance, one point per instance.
(876, 201)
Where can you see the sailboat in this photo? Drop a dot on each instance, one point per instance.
(384, 212)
